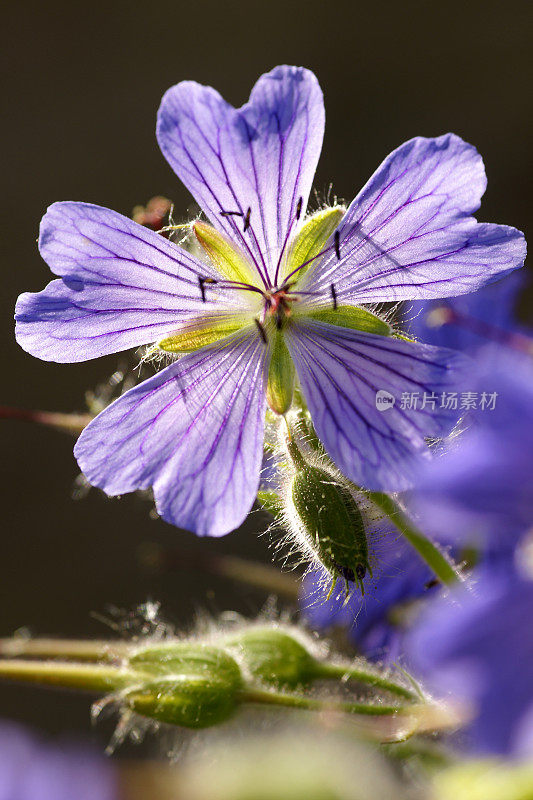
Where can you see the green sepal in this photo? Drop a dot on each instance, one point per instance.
(274, 657)
(351, 317)
(311, 239)
(204, 332)
(192, 685)
(280, 385)
(228, 260)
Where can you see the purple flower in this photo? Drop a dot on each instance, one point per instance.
(271, 283)
(31, 769)
(481, 492)
(476, 647)
(470, 322)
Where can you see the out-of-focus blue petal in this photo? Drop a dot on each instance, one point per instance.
(476, 645)
(194, 432)
(372, 621)
(471, 321)
(31, 769)
(260, 157)
(409, 234)
(121, 286)
(481, 491)
(341, 372)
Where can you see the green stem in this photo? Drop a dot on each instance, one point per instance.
(326, 670)
(68, 649)
(444, 569)
(251, 695)
(91, 678)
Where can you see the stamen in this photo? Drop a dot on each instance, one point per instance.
(247, 220)
(336, 239)
(333, 296)
(202, 282)
(289, 229)
(261, 330)
(279, 318)
(263, 273)
(309, 261)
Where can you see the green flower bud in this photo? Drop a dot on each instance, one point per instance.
(193, 685)
(274, 656)
(328, 519)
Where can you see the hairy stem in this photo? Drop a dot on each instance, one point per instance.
(329, 671)
(264, 697)
(87, 650)
(90, 678)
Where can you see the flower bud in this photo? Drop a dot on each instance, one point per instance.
(274, 656)
(328, 519)
(193, 685)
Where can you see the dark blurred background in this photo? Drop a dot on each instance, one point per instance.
(82, 83)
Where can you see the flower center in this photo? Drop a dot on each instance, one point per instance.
(278, 305)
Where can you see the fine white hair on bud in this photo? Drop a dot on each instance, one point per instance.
(324, 518)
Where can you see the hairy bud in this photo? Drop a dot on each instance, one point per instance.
(191, 685)
(274, 656)
(328, 520)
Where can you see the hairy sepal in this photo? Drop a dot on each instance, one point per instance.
(228, 260)
(311, 239)
(200, 334)
(353, 317)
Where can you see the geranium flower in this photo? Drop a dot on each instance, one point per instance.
(474, 646)
(274, 291)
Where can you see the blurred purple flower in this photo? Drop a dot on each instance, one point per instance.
(476, 646)
(469, 322)
(31, 769)
(376, 622)
(194, 431)
(480, 492)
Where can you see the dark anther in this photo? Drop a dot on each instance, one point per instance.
(431, 583)
(230, 213)
(261, 330)
(201, 282)
(337, 238)
(279, 318)
(247, 220)
(360, 571)
(299, 208)
(333, 296)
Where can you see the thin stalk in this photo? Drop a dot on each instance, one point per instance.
(90, 678)
(91, 650)
(328, 671)
(444, 569)
(250, 573)
(264, 697)
(71, 423)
